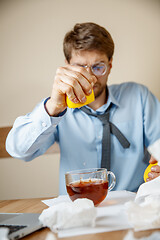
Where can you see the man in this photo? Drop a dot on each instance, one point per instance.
(132, 109)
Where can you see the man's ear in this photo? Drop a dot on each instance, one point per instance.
(110, 64)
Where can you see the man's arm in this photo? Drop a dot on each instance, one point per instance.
(32, 134)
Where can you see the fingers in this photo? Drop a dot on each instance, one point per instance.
(83, 72)
(66, 89)
(152, 176)
(155, 172)
(152, 160)
(69, 86)
(75, 82)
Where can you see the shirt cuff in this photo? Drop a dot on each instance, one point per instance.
(40, 115)
(59, 115)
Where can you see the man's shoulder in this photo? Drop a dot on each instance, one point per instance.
(130, 87)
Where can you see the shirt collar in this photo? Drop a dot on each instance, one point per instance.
(112, 97)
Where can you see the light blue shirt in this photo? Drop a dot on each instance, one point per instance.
(135, 111)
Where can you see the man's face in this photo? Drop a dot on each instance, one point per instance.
(91, 58)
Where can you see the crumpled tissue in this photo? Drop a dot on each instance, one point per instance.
(65, 215)
(144, 212)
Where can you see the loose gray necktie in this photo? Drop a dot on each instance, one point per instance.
(108, 128)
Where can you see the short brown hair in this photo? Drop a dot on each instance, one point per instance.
(88, 36)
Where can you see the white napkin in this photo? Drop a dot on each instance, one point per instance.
(144, 212)
(111, 214)
(65, 215)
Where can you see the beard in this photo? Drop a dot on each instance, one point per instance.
(98, 89)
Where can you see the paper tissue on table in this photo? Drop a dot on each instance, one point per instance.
(144, 212)
(65, 215)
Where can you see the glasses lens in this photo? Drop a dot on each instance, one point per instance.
(99, 69)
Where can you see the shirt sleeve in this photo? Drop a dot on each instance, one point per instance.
(151, 118)
(32, 134)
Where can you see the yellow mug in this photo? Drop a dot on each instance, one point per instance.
(89, 98)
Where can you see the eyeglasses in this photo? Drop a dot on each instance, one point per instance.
(98, 69)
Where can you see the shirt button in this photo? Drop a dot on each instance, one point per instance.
(44, 124)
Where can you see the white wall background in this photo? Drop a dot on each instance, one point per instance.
(31, 36)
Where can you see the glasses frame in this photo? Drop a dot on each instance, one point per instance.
(91, 67)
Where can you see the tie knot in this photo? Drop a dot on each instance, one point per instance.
(104, 117)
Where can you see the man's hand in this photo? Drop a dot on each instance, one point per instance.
(73, 81)
(155, 170)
